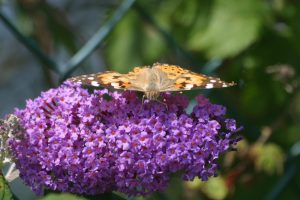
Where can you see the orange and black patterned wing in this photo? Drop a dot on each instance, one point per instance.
(105, 79)
(111, 79)
(183, 79)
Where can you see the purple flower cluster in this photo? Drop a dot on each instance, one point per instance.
(83, 143)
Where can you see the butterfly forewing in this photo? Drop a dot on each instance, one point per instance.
(105, 79)
(115, 80)
(197, 81)
(88, 79)
(183, 79)
(111, 79)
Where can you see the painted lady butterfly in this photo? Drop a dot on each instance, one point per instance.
(153, 80)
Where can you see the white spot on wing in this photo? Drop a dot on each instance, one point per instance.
(189, 86)
(95, 83)
(91, 78)
(115, 84)
(209, 85)
(212, 81)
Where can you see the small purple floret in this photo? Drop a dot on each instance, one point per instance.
(84, 143)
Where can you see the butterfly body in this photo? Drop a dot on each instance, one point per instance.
(153, 80)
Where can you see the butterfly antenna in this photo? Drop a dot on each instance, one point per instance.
(162, 102)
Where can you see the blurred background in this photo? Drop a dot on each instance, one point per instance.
(255, 43)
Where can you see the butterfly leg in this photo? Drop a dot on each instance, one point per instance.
(143, 99)
(164, 100)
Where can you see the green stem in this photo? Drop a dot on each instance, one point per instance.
(30, 45)
(97, 39)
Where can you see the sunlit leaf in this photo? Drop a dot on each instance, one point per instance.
(215, 188)
(195, 184)
(270, 158)
(233, 27)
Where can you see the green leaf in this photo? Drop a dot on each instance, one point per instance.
(270, 159)
(215, 188)
(195, 184)
(233, 27)
(5, 192)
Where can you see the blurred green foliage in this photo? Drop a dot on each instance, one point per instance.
(69, 196)
(256, 43)
(215, 188)
(270, 158)
(64, 196)
(5, 192)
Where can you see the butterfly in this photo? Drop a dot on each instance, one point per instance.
(153, 80)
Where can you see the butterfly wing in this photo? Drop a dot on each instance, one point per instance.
(111, 79)
(182, 79)
(105, 79)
